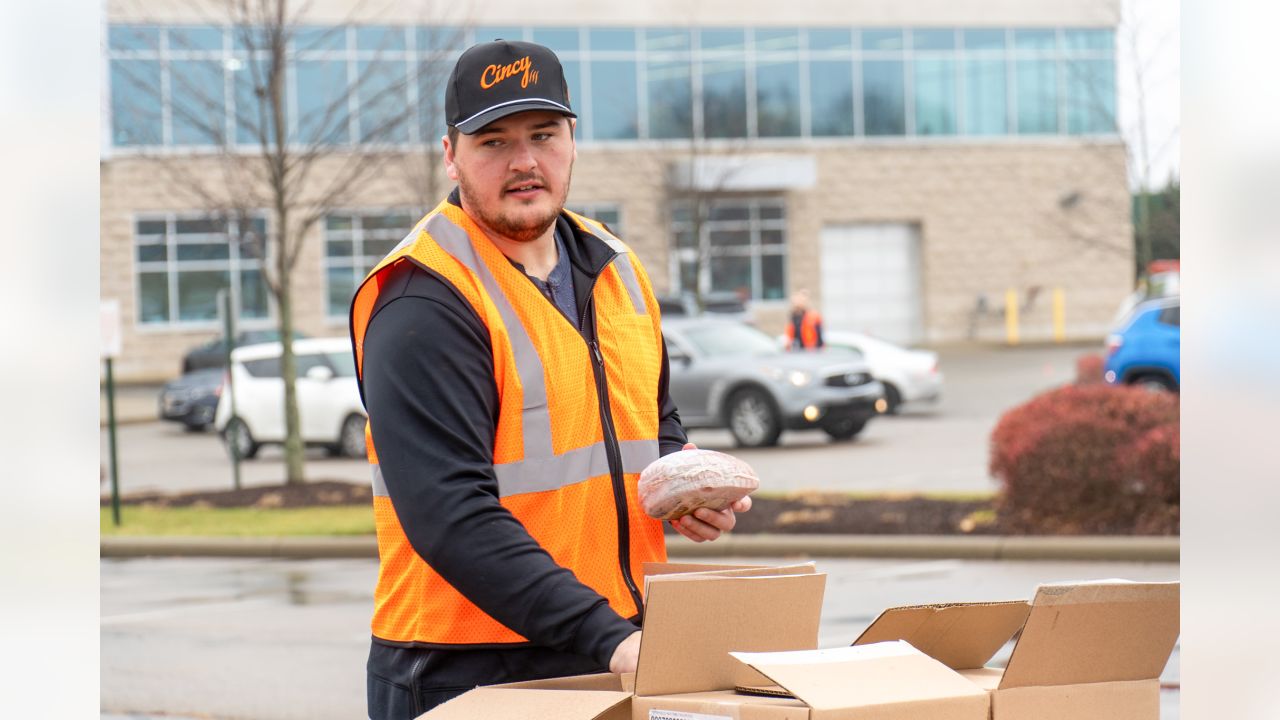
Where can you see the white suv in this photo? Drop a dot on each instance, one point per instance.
(329, 406)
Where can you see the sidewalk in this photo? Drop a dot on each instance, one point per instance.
(1110, 548)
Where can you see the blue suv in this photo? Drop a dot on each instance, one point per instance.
(1145, 350)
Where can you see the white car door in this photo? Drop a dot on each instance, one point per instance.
(316, 406)
(260, 398)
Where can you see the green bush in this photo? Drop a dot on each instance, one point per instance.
(1089, 459)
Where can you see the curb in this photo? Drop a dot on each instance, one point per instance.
(1108, 548)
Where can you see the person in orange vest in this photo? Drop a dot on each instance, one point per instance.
(511, 360)
(804, 326)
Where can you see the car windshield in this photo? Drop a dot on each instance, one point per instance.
(730, 339)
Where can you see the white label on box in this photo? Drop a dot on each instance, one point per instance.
(677, 715)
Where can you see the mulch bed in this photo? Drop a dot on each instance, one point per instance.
(798, 513)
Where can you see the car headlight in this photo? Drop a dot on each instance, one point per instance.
(798, 378)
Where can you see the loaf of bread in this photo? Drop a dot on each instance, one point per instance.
(684, 481)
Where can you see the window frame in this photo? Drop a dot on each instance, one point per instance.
(235, 265)
(756, 250)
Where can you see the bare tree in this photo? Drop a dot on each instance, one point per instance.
(702, 175)
(294, 160)
(1141, 42)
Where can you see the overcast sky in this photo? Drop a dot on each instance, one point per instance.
(1154, 24)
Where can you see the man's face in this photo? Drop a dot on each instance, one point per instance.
(513, 174)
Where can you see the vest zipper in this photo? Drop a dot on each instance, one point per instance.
(613, 452)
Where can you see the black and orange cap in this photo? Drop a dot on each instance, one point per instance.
(495, 79)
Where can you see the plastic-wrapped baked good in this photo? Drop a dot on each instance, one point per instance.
(684, 481)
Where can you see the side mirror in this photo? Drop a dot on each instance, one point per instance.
(320, 373)
(679, 358)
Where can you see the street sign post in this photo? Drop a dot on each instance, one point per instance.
(109, 318)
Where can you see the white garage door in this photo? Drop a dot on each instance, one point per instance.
(871, 280)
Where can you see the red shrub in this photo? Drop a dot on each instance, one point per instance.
(1088, 459)
(1153, 467)
(1089, 369)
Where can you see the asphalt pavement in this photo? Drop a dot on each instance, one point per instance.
(939, 447)
(225, 639)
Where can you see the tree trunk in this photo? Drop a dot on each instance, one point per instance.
(293, 447)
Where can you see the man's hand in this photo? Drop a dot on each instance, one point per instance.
(626, 655)
(707, 524)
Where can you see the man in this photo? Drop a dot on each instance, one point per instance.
(804, 331)
(512, 364)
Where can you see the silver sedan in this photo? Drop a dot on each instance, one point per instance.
(726, 374)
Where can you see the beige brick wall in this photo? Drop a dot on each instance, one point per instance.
(991, 217)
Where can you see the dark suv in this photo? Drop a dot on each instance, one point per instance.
(213, 354)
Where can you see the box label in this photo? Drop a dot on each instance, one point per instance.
(676, 715)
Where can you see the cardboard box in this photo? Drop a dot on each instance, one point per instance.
(884, 681)
(963, 636)
(1087, 650)
(694, 616)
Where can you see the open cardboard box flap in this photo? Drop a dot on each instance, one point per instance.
(599, 681)
(1095, 632)
(504, 703)
(860, 676)
(962, 636)
(693, 622)
(670, 568)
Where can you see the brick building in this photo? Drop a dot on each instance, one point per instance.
(906, 162)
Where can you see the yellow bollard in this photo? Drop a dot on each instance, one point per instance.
(1011, 316)
(1059, 316)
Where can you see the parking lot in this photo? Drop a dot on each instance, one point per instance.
(938, 447)
(282, 639)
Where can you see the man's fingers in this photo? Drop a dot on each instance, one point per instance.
(697, 530)
(687, 529)
(689, 446)
(742, 505)
(679, 525)
(705, 524)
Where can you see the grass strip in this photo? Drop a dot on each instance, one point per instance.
(240, 522)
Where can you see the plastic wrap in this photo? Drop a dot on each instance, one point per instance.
(684, 481)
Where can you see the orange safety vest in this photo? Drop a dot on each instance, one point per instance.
(554, 453)
(808, 330)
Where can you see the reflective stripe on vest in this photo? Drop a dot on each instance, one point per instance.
(565, 499)
(535, 476)
(536, 416)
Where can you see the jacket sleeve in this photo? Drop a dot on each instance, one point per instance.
(430, 393)
(671, 435)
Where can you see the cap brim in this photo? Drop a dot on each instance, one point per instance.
(479, 120)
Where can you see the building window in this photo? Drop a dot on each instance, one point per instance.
(935, 96)
(194, 86)
(183, 262)
(884, 97)
(743, 242)
(354, 243)
(608, 213)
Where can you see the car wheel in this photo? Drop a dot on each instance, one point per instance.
(1154, 383)
(844, 428)
(892, 399)
(351, 438)
(237, 432)
(753, 419)
(194, 427)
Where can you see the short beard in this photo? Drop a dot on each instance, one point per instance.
(508, 227)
